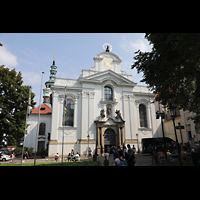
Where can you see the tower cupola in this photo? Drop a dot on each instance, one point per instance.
(52, 75)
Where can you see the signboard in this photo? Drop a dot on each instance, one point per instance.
(180, 127)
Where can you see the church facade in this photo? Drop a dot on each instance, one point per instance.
(105, 107)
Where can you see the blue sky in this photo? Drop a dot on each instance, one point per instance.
(32, 53)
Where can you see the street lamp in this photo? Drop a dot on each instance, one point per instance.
(162, 115)
(88, 137)
(172, 110)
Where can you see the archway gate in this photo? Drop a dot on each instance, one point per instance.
(109, 132)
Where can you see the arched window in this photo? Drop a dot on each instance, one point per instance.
(69, 116)
(143, 115)
(42, 128)
(108, 93)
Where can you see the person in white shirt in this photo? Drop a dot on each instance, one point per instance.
(77, 157)
(117, 161)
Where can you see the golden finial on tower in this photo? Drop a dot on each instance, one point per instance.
(54, 55)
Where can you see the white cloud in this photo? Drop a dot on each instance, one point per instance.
(7, 58)
(139, 44)
(31, 78)
(131, 46)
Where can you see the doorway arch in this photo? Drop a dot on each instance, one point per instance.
(109, 137)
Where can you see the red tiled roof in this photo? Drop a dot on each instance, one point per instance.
(44, 109)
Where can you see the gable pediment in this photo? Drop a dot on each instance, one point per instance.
(110, 75)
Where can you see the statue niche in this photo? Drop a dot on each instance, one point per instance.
(109, 111)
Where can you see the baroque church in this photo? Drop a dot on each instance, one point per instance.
(105, 107)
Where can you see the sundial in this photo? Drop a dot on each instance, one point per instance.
(108, 63)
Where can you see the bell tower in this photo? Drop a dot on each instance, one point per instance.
(52, 75)
(49, 83)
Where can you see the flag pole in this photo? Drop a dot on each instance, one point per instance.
(27, 113)
(38, 126)
(64, 110)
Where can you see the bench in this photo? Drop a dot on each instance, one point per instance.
(49, 158)
(72, 158)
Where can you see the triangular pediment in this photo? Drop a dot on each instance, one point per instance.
(110, 75)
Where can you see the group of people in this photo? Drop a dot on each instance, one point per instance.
(70, 156)
(158, 151)
(122, 157)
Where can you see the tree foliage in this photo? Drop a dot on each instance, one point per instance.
(13, 105)
(172, 69)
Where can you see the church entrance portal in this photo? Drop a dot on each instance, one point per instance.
(109, 138)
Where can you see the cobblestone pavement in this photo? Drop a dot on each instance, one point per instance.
(143, 160)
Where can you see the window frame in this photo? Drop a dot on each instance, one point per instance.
(69, 119)
(143, 116)
(108, 93)
(40, 128)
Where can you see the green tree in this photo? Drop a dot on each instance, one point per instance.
(172, 69)
(13, 105)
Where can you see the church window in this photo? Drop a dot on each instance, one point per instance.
(143, 115)
(42, 128)
(108, 93)
(69, 115)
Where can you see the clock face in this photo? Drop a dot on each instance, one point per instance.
(108, 63)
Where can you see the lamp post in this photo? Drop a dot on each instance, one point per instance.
(88, 137)
(162, 115)
(172, 110)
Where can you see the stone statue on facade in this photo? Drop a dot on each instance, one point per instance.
(102, 113)
(119, 115)
(109, 111)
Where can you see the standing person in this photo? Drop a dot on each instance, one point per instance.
(133, 149)
(56, 157)
(72, 152)
(13, 156)
(125, 150)
(115, 152)
(26, 154)
(106, 161)
(90, 152)
(131, 157)
(130, 152)
(120, 152)
(107, 152)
